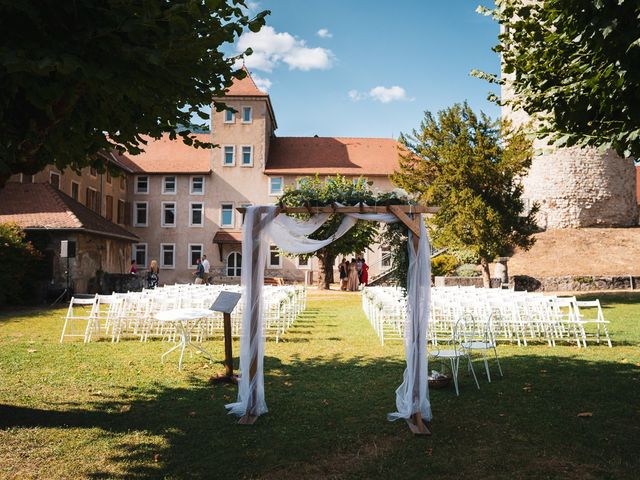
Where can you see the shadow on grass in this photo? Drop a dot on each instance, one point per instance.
(327, 420)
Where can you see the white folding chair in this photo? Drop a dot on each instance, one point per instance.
(80, 317)
(597, 320)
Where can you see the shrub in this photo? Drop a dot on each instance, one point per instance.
(443, 265)
(19, 260)
(467, 270)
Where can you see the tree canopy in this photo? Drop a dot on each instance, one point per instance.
(469, 166)
(574, 65)
(78, 78)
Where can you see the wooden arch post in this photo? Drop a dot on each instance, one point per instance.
(405, 214)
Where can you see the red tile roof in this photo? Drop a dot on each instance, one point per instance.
(169, 156)
(245, 87)
(332, 155)
(39, 206)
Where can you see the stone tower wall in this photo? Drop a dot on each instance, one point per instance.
(582, 187)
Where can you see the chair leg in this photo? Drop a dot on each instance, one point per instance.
(455, 363)
(495, 352)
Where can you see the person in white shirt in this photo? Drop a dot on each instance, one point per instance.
(207, 266)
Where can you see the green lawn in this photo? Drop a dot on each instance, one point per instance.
(114, 411)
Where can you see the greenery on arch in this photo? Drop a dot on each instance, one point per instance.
(313, 192)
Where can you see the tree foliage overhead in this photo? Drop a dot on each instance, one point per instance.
(469, 166)
(574, 65)
(81, 77)
(315, 192)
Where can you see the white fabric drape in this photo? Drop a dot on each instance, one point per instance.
(290, 235)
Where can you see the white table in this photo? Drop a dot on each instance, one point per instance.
(185, 320)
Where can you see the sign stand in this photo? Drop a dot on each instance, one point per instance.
(225, 303)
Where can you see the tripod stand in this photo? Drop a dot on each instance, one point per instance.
(67, 291)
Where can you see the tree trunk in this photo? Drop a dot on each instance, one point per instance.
(326, 271)
(486, 274)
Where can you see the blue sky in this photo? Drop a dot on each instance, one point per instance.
(368, 68)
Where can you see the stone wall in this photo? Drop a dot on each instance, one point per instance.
(581, 187)
(574, 283)
(464, 282)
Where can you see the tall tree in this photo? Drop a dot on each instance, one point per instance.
(81, 77)
(311, 192)
(574, 65)
(469, 166)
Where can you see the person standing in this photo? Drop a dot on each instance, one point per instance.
(134, 268)
(364, 273)
(153, 277)
(199, 273)
(359, 262)
(342, 268)
(352, 279)
(207, 267)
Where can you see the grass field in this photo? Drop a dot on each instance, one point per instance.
(107, 410)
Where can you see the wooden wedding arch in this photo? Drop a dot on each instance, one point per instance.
(410, 216)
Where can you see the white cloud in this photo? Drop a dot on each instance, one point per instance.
(381, 94)
(356, 96)
(391, 94)
(271, 48)
(253, 6)
(263, 84)
(324, 33)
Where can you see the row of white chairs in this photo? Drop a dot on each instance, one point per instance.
(133, 314)
(518, 317)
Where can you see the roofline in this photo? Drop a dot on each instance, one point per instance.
(137, 172)
(132, 238)
(314, 172)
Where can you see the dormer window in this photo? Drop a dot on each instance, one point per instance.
(247, 114)
(229, 116)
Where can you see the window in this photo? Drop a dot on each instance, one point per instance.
(54, 180)
(123, 181)
(229, 116)
(27, 178)
(302, 182)
(275, 186)
(168, 255)
(140, 214)
(93, 172)
(247, 156)
(169, 185)
(195, 253)
(386, 256)
(358, 180)
(140, 254)
(142, 184)
(229, 158)
(108, 177)
(197, 186)
(226, 215)
(121, 212)
(275, 260)
(168, 214)
(91, 199)
(234, 264)
(108, 204)
(196, 214)
(75, 190)
(303, 262)
(246, 114)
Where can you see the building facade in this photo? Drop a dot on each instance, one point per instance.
(180, 202)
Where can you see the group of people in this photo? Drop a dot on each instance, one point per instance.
(153, 273)
(353, 274)
(202, 270)
(201, 273)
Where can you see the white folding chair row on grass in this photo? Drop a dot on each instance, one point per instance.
(515, 317)
(132, 315)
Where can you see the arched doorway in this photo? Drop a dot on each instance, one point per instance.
(234, 264)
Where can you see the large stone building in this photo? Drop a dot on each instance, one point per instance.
(179, 202)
